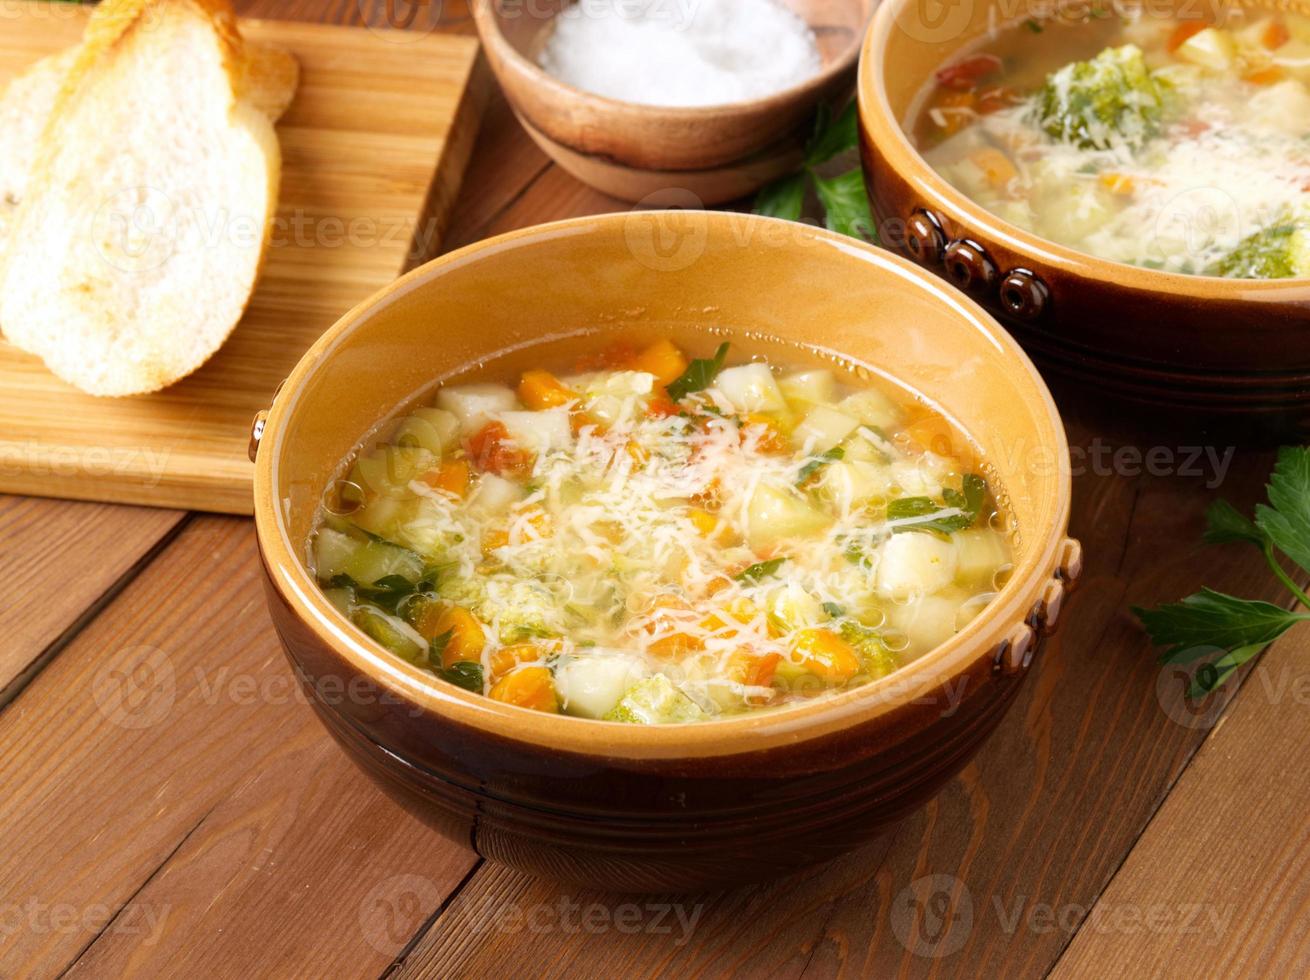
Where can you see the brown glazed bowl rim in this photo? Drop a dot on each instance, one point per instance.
(881, 126)
(493, 37)
(915, 682)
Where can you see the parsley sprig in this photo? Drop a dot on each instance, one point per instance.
(1194, 627)
(700, 374)
(845, 202)
(960, 509)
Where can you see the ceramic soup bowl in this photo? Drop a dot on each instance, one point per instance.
(639, 808)
(1204, 346)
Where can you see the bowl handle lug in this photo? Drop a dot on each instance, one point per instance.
(1069, 569)
(925, 240)
(1024, 295)
(968, 266)
(257, 433)
(1016, 652)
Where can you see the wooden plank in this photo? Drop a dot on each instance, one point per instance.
(376, 112)
(1042, 817)
(169, 798)
(1219, 885)
(60, 559)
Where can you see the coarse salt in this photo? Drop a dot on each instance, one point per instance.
(681, 52)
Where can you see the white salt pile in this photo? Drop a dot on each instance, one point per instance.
(681, 52)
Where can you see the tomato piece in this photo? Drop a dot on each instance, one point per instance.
(968, 72)
(492, 451)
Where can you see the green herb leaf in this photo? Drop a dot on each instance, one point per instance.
(833, 136)
(1034, 25)
(834, 610)
(465, 674)
(846, 204)
(700, 374)
(1287, 520)
(760, 570)
(386, 592)
(854, 553)
(437, 645)
(931, 515)
(783, 198)
(1210, 619)
(1224, 524)
(819, 462)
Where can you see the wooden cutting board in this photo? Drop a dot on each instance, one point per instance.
(373, 148)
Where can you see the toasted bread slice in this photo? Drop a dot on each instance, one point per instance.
(23, 113)
(149, 198)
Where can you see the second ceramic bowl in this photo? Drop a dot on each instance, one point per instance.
(640, 808)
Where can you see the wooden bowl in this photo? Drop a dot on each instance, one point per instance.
(624, 807)
(1206, 347)
(630, 151)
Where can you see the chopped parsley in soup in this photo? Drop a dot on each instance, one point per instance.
(644, 537)
(1178, 145)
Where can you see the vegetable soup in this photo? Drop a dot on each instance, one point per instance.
(646, 537)
(1180, 145)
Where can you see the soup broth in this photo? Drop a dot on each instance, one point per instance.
(645, 537)
(1180, 145)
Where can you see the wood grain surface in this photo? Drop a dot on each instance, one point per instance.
(219, 833)
(374, 148)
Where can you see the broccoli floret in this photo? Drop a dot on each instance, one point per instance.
(1090, 103)
(1281, 251)
(877, 659)
(655, 701)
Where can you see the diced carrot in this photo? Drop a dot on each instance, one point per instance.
(540, 390)
(579, 420)
(724, 620)
(675, 647)
(1275, 35)
(753, 669)
(707, 524)
(772, 441)
(452, 476)
(528, 687)
(1271, 75)
(661, 406)
(825, 655)
(507, 658)
(997, 168)
(676, 644)
(662, 359)
(1184, 32)
(956, 110)
(467, 639)
(492, 451)
(1121, 184)
(499, 537)
(968, 72)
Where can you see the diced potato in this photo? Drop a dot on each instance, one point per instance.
(332, 551)
(539, 431)
(870, 407)
(591, 686)
(809, 387)
(1212, 48)
(915, 564)
(433, 429)
(1285, 107)
(493, 495)
(775, 515)
(823, 428)
(981, 552)
(920, 477)
(656, 701)
(473, 404)
(928, 621)
(390, 469)
(751, 388)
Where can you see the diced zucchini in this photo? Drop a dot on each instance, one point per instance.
(915, 565)
(473, 404)
(377, 560)
(751, 388)
(397, 636)
(776, 515)
(809, 387)
(433, 429)
(870, 407)
(382, 516)
(342, 599)
(539, 431)
(591, 686)
(390, 469)
(332, 552)
(823, 428)
(656, 701)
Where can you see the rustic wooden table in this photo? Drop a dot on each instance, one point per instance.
(169, 806)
